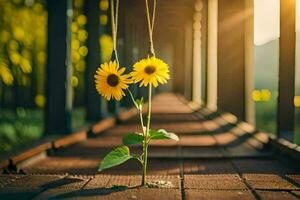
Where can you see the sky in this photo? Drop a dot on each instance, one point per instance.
(266, 20)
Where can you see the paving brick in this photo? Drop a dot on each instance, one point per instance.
(296, 193)
(214, 182)
(19, 193)
(124, 187)
(124, 193)
(202, 152)
(201, 166)
(6, 179)
(36, 181)
(266, 165)
(268, 182)
(210, 126)
(155, 167)
(218, 195)
(229, 117)
(275, 195)
(163, 143)
(167, 117)
(163, 152)
(295, 178)
(225, 138)
(66, 185)
(29, 186)
(63, 165)
(239, 148)
(238, 131)
(108, 181)
(197, 140)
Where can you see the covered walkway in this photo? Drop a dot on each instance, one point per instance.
(217, 157)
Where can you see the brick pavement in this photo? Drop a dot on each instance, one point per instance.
(217, 157)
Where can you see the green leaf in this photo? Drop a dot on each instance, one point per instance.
(162, 134)
(115, 157)
(133, 138)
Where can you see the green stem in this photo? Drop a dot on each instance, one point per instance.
(140, 112)
(149, 108)
(142, 122)
(145, 143)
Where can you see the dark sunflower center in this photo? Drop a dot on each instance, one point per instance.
(112, 80)
(150, 69)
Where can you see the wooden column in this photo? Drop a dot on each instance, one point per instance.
(249, 61)
(197, 53)
(56, 116)
(94, 112)
(286, 86)
(204, 51)
(212, 46)
(231, 57)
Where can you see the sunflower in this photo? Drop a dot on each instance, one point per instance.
(150, 71)
(110, 82)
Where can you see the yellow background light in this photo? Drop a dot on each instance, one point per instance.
(256, 95)
(74, 81)
(81, 19)
(297, 101)
(261, 95)
(104, 5)
(40, 100)
(103, 19)
(265, 95)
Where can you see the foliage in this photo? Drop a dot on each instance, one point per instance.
(79, 49)
(25, 126)
(266, 116)
(19, 128)
(22, 48)
(122, 154)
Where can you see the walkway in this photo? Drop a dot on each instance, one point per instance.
(217, 157)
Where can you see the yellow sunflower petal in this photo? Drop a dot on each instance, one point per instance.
(150, 71)
(110, 81)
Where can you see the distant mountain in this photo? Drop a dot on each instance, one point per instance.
(266, 64)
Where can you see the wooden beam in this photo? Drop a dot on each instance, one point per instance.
(56, 116)
(196, 97)
(231, 57)
(94, 108)
(212, 46)
(249, 61)
(204, 51)
(286, 87)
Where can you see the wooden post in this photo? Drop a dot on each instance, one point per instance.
(204, 24)
(286, 86)
(56, 116)
(197, 53)
(212, 46)
(249, 61)
(94, 107)
(231, 57)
